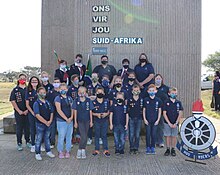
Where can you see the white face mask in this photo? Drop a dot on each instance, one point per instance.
(44, 79)
(62, 66)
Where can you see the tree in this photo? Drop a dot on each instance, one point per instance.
(31, 71)
(213, 62)
(11, 75)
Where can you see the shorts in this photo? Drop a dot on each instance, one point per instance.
(168, 131)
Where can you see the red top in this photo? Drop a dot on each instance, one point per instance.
(198, 106)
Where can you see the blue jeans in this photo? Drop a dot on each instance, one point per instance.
(53, 130)
(43, 132)
(90, 133)
(160, 133)
(65, 131)
(134, 132)
(151, 131)
(22, 125)
(101, 130)
(32, 125)
(119, 137)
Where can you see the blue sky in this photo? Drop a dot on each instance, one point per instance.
(21, 26)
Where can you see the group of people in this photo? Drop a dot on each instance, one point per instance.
(78, 106)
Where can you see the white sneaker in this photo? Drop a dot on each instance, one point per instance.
(50, 154)
(51, 146)
(38, 157)
(100, 141)
(79, 154)
(89, 141)
(83, 154)
(42, 149)
(33, 149)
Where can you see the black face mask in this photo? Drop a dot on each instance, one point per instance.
(100, 95)
(118, 85)
(126, 66)
(142, 60)
(104, 62)
(120, 100)
(131, 79)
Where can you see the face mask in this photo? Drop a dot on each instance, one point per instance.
(131, 79)
(42, 96)
(104, 62)
(105, 83)
(22, 82)
(118, 85)
(125, 66)
(82, 95)
(62, 66)
(120, 100)
(158, 82)
(34, 84)
(173, 96)
(44, 79)
(136, 92)
(142, 60)
(100, 95)
(63, 92)
(151, 94)
(79, 61)
(76, 82)
(56, 85)
(95, 79)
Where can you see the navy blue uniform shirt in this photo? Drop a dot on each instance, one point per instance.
(92, 89)
(163, 88)
(113, 93)
(31, 96)
(152, 108)
(135, 108)
(216, 87)
(172, 110)
(128, 89)
(123, 73)
(73, 92)
(18, 95)
(101, 108)
(43, 109)
(83, 109)
(119, 114)
(48, 87)
(143, 72)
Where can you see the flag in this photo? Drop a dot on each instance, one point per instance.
(57, 57)
(89, 67)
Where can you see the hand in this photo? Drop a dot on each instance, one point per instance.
(68, 120)
(174, 125)
(111, 127)
(47, 123)
(91, 124)
(81, 83)
(126, 127)
(157, 122)
(20, 112)
(146, 122)
(25, 112)
(75, 125)
(99, 115)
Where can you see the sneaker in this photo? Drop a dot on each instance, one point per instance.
(161, 145)
(83, 154)
(153, 150)
(79, 154)
(173, 152)
(100, 141)
(67, 155)
(50, 154)
(33, 149)
(89, 141)
(167, 153)
(106, 153)
(51, 146)
(148, 150)
(38, 157)
(28, 145)
(42, 149)
(122, 151)
(61, 155)
(19, 147)
(117, 152)
(131, 151)
(136, 151)
(95, 153)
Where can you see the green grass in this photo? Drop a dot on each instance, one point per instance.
(206, 96)
(5, 105)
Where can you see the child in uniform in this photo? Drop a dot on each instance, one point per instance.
(45, 81)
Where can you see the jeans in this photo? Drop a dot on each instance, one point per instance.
(90, 133)
(32, 125)
(101, 130)
(160, 133)
(134, 132)
(43, 132)
(119, 137)
(151, 131)
(53, 130)
(22, 125)
(65, 131)
(83, 130)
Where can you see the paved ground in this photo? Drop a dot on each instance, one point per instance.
(14, 162)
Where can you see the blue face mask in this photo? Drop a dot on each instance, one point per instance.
(105, 83)
(63, 92)
(76, 82)
(151, 94)
(173, 96)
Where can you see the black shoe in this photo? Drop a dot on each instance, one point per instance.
(117, 152)
(106, 153)
(167, 153)
(136, 151)
(173, 152)
(121, 152)
(131, 151)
